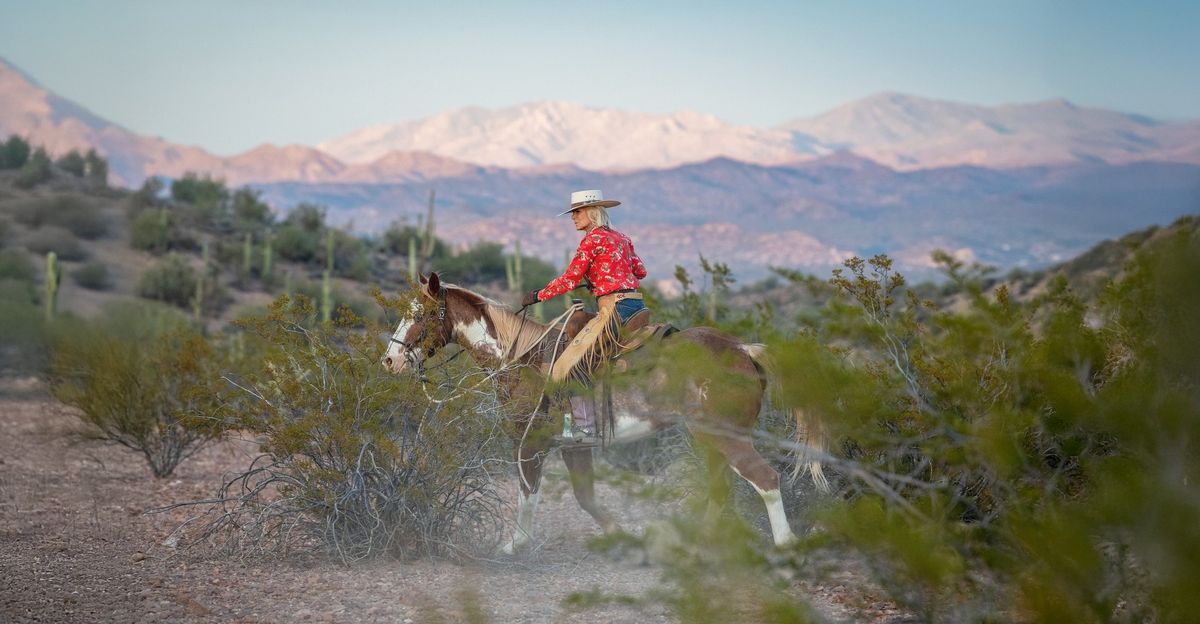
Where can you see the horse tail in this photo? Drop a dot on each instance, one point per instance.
(810, 433)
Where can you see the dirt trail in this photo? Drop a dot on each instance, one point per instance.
(77, 548)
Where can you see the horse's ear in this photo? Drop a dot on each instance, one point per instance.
(421, 278)
(435, 285)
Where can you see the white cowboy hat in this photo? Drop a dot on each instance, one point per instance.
(587, 199)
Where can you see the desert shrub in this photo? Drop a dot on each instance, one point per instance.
(57, 239)
(296, 244)
(16, 265)
(145, 198)
(97, 168)
(14, 152)
(23, 332)
(356, 461)
(144, 379)
(171, 280)
(35, 170)
(158, 231)
(72, 162)
(93, 276)
(482, 263)
(997, 456)
(202, 201)
(250, 213)
(77, 213)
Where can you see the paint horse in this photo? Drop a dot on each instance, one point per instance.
(719, 401)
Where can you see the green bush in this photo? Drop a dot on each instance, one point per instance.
(24, 347)
(1003, 454)
(14, 152)
(35, 170)
(73, 163)
(205, 199)
(144, 199)
(158, 231)
(250, 214)
(296, 244)
(369, 467)
(15, 265)
(93, 276)
(80, 214)
(59, 240)
(142, 378)
(97, 168)
(482, 263)
(171, 280)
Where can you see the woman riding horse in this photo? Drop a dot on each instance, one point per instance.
(607, 263)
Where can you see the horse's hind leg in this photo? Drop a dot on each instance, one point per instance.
(529, 466)
(749, 465)
(718, 484)
(579, 469)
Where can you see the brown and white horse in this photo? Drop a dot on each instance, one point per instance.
(718, 401)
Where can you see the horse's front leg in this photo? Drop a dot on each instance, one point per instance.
(579, 470)
(529, 468)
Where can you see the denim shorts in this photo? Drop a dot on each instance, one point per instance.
(627, 307)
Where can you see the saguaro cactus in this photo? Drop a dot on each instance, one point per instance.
(53, 273)
(247, 256)
(412, 259)
(326, 287)
(198, 297)
(429, 239)
(517, 275)
(266, 258)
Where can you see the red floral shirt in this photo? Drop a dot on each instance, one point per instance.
(607, 258)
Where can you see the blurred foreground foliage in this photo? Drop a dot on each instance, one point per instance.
(1004, 460)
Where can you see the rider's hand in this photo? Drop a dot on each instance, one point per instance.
(531, 298)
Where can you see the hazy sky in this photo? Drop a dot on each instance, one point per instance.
(230, 75)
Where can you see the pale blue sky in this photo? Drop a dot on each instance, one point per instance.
(230, 75)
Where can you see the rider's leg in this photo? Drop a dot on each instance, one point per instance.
(583, 414)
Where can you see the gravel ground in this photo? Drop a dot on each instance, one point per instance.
(77, 547)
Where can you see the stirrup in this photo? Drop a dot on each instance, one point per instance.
(579, 438)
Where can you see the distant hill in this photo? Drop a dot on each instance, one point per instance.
(907, 132)
(1023, 185)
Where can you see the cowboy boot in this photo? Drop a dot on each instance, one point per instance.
(583, 416)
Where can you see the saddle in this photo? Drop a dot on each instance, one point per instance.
(634, 334)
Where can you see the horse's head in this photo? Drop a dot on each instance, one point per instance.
(420, 334)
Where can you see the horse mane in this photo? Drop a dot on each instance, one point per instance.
(515, 332)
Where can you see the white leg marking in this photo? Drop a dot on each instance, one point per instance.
(525, 509)
(780, 529)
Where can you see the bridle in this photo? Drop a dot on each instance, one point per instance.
(411, 349)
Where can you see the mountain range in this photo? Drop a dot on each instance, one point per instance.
(1021, 184)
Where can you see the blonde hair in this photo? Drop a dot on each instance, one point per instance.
(597, 215)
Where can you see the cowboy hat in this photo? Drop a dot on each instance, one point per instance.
(587, 199)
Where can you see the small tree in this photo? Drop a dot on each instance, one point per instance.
(96, 168)
(35, 170)
(73, 163)
(14, 152)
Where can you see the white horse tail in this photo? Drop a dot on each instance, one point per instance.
(810, 434)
